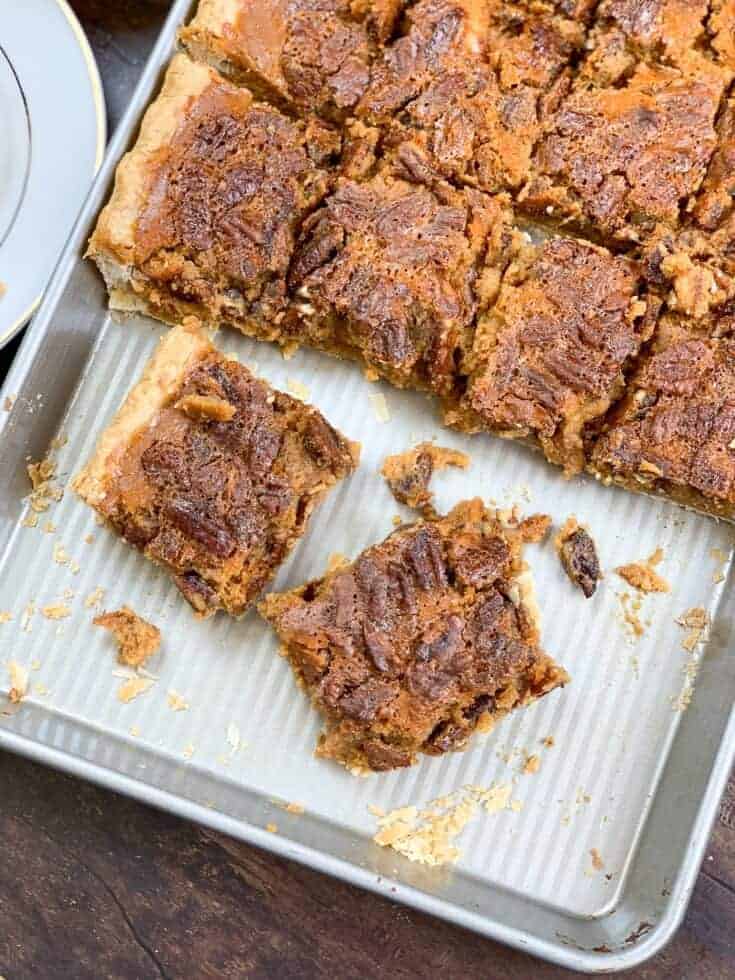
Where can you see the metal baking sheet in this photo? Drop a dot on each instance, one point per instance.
(631, 775)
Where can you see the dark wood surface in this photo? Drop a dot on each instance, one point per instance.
(95, 886)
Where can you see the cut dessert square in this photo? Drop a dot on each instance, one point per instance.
(550, 353)
(385, 271)
(206, 205)
(695, 35)
(310, 55)
(476, 118)
(617, 160)
(211, 473)
(424, 639)
(674, 431)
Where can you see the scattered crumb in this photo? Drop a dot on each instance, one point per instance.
(30, 520)
(409, 473)
(9, 402)
(56, 610)
(516, 806)
(135, 731)
(189, 751)
(59, 554)
(578, 555)
(296, 808)
(336, 560)
(631, 608)
(206, 407)
(428, 836)
(176, 702)
(133, 687)
(642, 576)
(28, 614)
(721, 559)
(74, 567)
(5, 617)
(548, 742)
(137, 639)
(272, 828)
(376, 810)
(41, 690)
(597, 863)
(89, 539)
(380, 406)
(534, 529)
(531, 765)
(3, 289)
(695, 621)
(49, 528)
(95, 598)
(43, 491)
(298, 389)
(18, 682)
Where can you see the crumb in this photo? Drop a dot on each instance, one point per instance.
(176, 702)
(89, 539)
(41, 690)
(233, 737)
(43, 490)
(272, 828)
(5, 617)
(206, 407)
(516, 806)
(548, 742)
(49, 528)
(578, 555)
(297, 389)
(135, 731)
(409, 473)
(3, 289)
(630, 614)
(380, 406)
(56, 611)
(336, 560)
(531, 765)
(9, 402)
(133, 687)
(18, 682)
(641, 575)
(721, 559)
(695, 621)
(137, 639)
(535, 528)
(597, 862)
(95, 597)
(59, 554)
(296, 808)
(30, 520)
(28, 614)
(376, 810)
(189, 751)
(396, 520)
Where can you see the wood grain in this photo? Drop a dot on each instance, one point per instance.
(96, 887)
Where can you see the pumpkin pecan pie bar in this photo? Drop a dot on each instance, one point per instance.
(211, 473)
(386, 271)
(424, 639)
(206, 206)
(550, 354)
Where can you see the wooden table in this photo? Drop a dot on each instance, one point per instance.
(93, 886)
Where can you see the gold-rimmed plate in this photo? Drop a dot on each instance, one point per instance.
(52, 138)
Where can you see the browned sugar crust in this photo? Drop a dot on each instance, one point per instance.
(423, 639)
(549, 356)
(385, 271)
(219, 503)
(617, 160)
(674, 431)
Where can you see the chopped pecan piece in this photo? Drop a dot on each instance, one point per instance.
(579, 556)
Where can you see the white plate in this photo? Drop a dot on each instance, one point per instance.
(52, 137)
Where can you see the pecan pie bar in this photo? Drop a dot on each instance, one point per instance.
(206, 205)
(424, 639)
(211, 473)
(617, 160)
(550, 354)
(674, 431)
(386, 270)
(309, 55)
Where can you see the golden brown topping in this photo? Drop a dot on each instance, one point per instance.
(137, 639)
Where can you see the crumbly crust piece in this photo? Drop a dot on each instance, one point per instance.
(550, 354)
(218, 501)
(310, 55)
(386, 271)
(674, 431)
(206, 206)
(422, 640)
(578, 554)
(137, 639)
(616, 161)
(409, 474)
